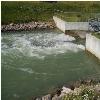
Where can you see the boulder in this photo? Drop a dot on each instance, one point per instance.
(47, 97)
(66, 90)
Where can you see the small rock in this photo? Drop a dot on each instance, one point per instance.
(97, 89)
(56, 97)
(66, 90)
(38, 99)
(47, 97)
(11, 24)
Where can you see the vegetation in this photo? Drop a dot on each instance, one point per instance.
(96, 34)
(25, 11)
(84, 93)
(77, 16)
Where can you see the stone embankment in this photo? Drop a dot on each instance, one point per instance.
(27, 26)
(82, 89)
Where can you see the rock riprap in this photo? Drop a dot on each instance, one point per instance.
(77, 91)
(27, 26)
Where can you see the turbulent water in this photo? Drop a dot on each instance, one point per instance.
(33, 63)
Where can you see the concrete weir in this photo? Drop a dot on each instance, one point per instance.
(74, 26)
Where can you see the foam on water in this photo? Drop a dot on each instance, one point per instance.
(16, 95)
(29, 71)
(81, 46)
(40, 45)
(63, 37)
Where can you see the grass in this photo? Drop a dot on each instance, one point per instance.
(25, 11)
(19, 12)
(77, 16)
(96, 34)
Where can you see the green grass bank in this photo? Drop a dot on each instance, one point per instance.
(26, 11)
(96, 34)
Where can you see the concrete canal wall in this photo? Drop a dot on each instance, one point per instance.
(63, 25)
(93, 45)
(60, 23)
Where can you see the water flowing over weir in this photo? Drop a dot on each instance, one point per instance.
(35, 62)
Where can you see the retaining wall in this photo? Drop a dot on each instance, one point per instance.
(60, 23)
(93, 45)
